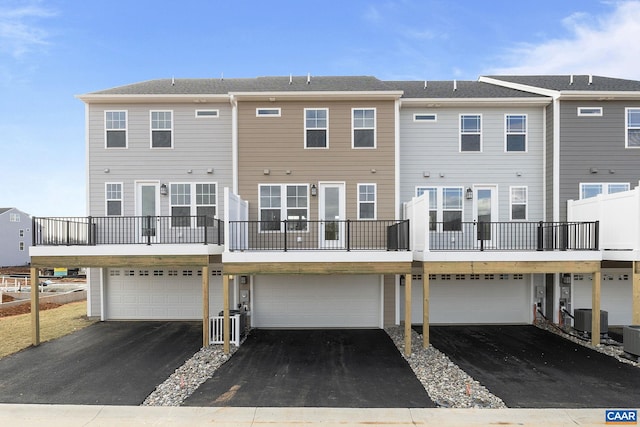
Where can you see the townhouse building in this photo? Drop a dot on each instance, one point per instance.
(302, 201)
(15, 235)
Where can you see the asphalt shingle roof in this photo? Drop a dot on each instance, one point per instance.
(580, 83)
(464, 89)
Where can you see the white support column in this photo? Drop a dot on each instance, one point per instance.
(205, 306)
(226, 327)
(595, 308)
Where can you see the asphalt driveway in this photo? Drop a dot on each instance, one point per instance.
(107, 363)
(531, 368)
(314, 368)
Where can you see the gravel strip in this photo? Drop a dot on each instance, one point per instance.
(446, 384)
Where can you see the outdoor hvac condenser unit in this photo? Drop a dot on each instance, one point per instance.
(582, 320)
(631, 339)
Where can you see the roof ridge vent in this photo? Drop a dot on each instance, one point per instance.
(308, 78)
(590, 79)
(571, 79)
(290, 79)
(455, 85)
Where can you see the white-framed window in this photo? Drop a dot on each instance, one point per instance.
(316, 128)
(592, 189)
(515, 127)
(445, 207)
(21, 233)
(470, 132)
(425, 117)
(14, 217)
(632, 123)
(207, 114)
(115, 128)
(162, 129)
(518, 199)
(21, 246)
(367, 201)
(193, 199)
(364, 128)
(113, 198)
(589, 111)
(284, 201)
(268, 112)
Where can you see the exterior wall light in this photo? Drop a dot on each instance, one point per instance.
(314, 190)
(469, 193)
(164, 190)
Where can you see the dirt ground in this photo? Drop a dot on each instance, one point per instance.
(24, 308)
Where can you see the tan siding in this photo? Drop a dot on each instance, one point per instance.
(277, 144)
(389, 300)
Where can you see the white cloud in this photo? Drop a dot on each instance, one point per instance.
(19, 29)
(602, 45)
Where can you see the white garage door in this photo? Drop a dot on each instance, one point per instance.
(165, 294)
(616, 291)
(485, 299)
(317, 302)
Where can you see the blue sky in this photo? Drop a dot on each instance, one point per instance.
(53, 50)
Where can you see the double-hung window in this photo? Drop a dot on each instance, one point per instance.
(470, 132)
(366, 201)
(288, 201)
(445, 207)
(592, 189)
(161, 129)
(199, 199)
(316, 128)
(113, 197)
(115, 125)
(14, 217)
(364, 128)
(516, 132)
(518, 198)
(633, 127)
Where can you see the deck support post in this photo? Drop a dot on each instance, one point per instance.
(226, 328)
(425, 310)
(205, 306)
(595, 308)
(35, 307)
(407, 314)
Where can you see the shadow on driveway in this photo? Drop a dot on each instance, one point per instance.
(107, 363)
(314, 368)
(531, 368)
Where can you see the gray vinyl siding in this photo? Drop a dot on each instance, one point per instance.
(434, 148)
(10, 253)
(549, 163)
(198, 144)
(594, 142)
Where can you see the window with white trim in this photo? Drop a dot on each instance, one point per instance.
(14, 217)
(366, 201)
(288, 201)
(589, 111)
(181, 205)
(470, 132)
(516, 132)
(193, 199)
(316, 128)
(21, 246)
(518, 198)
(207, 114)
(113, 198)
(425, 117)
(592, 189)
(206, 203)
(21, 233)
(445, 207)
(632, 122)
(115, 127)
(268, 112)
(364, 128)
(161, 129)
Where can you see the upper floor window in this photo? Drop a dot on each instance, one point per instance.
(445, 207)
(470, 132)
(316, 127)
(115, 125)
(589, 111)
(276, 204)
(268, 112)
(213, 114)
(366, 201)
(113, 198)
(14, 217)
(21, 233)
(518, 200)
(364, 128)
(516, 132)
(161, 129)
(21, 246)
(592, 189)
(633, 127)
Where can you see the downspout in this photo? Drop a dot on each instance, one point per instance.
(556, 158)
(397, 158)
(234, 142)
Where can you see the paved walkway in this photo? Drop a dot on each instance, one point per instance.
(93, 416)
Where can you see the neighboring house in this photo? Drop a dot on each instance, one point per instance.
(15, 237)
(318, 201)
(592, 147)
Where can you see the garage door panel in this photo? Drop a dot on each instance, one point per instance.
(317, 301)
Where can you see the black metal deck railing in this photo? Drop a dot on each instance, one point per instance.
(347, 235)
(126, 230)
(514, 236)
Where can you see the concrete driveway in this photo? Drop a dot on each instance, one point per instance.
(314, 368)
(531, 368)
(107, 363)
